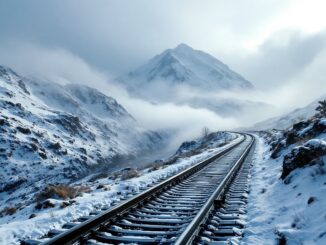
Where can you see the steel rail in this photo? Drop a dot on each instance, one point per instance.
(79, 232)
(192, 229)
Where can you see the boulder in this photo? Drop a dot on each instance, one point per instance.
(304, 155)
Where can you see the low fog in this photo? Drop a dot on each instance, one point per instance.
(61, 66)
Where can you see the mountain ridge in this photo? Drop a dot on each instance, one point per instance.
(51, 133)
(185, 65)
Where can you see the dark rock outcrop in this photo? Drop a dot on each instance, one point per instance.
(308, 154)
(299, 133)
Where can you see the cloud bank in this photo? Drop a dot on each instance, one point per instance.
(61, 66)
(280, 47)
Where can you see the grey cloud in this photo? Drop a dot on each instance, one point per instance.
(119, 35)
(281, 58)
(94, 38)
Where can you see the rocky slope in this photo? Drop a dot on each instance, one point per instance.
(288, 188)
(302, 145)
(51, 133)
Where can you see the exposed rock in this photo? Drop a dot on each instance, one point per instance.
(70, 123)
(3, 122)
(304, 155)
(24, 130)
(65, 204)
(311, 200)
(8, 211)
(43, 155)
(277, 149)
(300, 132)
(55, 146)
(32, 216)
(45, 204)
(83, 150)
(187, 145)
(22, 85)
(12, 185)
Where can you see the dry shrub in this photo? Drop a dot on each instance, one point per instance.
(302, 140)
(222, 144)
(65, 204)
(130, 174)
(8, 211)
(115, 175)
(83, 189)
(154, 166)
(99, 176)
(61, 192)
(104, 187)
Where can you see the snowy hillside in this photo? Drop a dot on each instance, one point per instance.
(288, 190)
(287, 120)
(184, 66)
(51, 133)
(102, 191)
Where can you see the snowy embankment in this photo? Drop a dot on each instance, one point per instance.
(291, 209)
(105, 193)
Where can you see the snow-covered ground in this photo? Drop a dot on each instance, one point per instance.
(111, 192)
(294, 210)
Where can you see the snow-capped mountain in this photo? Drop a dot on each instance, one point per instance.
(184, 76)
(55, 133)
(287, 120)
(184, 65)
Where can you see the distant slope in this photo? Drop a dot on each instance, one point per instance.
(287, 120)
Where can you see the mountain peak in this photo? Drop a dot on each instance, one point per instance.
(185, 65)
(183, 46)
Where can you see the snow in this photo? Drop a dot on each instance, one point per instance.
(278, 208)
(316, 143)
(16, 227)
(186, 65)
(51, 133)
(183, 76)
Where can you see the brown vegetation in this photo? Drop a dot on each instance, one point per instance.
(61, 192)
(130, 174)
(8, 211)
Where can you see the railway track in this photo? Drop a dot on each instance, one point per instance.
(172, 212)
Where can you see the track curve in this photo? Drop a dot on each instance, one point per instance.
(169, 213)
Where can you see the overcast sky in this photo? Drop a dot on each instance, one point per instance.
(272, 43)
